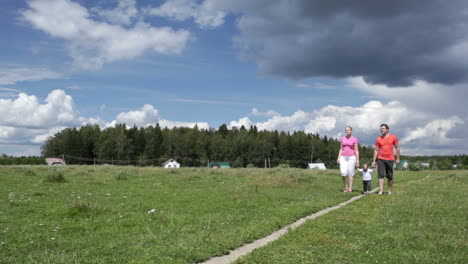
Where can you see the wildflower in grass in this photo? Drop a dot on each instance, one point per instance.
(11, 196)
(53, 238)
(151, 211)
(107, 194)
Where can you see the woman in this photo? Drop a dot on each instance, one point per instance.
(348, 158)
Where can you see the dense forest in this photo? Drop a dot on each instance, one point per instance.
(193, 147)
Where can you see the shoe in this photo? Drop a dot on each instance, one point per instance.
(345, 190)
(389, 193)
(380, 193)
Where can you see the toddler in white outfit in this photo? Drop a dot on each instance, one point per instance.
(366, 178)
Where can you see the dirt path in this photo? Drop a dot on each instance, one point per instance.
(246, 249)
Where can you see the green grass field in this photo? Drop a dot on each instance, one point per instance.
(107, 214)
(424, 222)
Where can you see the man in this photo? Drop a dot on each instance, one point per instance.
(384, 152)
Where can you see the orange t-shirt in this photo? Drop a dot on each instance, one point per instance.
(385, 145)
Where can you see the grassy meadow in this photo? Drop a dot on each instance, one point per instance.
(109, 214)
(424, 222)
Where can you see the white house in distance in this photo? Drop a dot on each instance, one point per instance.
(171, 164)
(320, 166)
(55, 161)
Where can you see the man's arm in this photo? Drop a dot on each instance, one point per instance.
(376, 152)
(397, 148)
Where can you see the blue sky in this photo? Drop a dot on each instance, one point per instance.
(283, 65)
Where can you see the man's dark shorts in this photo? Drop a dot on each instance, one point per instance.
(385, 168)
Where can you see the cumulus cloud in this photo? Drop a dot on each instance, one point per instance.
(285, 123)
(412, 127)
(92, 43)
(27, 111)
(441, 99)
(436, 129)
(205, 14)
(245, 121)
(27, 122)
(148, 115)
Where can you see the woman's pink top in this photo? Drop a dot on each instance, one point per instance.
(348, 146)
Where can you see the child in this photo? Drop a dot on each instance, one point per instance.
(366, 178)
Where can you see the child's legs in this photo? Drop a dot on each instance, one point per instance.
(369, 185)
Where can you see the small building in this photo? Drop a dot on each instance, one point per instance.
(55, 162)
(319, 166)
(403, 165)
(425, 164)
(222, 165)
(171, 164)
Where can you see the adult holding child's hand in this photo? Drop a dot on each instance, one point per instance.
(348, 158)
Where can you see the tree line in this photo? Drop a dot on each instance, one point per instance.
(194, 147)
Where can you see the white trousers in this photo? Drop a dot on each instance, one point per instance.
(347, 165)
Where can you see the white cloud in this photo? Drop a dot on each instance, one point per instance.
(26, 122)
(176, 9)
(27, 111)
(321, 124)
(205, 14)
(286, 123)
(41, 138)
(436, 130)
(14, 75)
(92, 43)
(412, 127)
(172, 124)
(268, 113)
(245, 121)
(123, 14)
(147, 115)
(421, 95)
